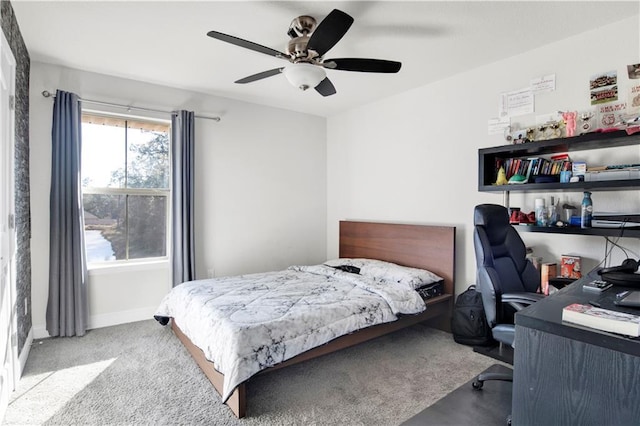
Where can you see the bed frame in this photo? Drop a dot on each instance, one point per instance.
(419, 246)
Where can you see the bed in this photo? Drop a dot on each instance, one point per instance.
(378, 307)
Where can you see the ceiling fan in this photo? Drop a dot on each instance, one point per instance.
(305, 51)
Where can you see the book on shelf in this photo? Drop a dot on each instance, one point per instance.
(563, 157)
(547, 271)
(516, 166)
(531, 167)
(602, 319)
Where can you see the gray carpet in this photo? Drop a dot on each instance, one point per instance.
(140, 374)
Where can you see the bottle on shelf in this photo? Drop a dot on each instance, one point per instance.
(540, 212)
(553, 213)
(587, 211)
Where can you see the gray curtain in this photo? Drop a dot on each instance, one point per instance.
(182, 176)
(67, 306)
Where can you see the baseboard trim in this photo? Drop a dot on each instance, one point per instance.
(106, 320)
(24, 354)
(122, 317)
(40, 332)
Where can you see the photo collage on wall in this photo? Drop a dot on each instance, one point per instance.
(614, 109)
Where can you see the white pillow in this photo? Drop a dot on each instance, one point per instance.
(386, 271)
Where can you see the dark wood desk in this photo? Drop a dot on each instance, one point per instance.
(570, 375)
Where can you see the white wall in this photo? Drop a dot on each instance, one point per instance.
(413, 158)
(260, 190)
(267, 198)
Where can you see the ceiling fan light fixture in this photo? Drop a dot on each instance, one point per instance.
(304, 76)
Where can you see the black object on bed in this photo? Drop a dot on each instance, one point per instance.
(431, 290)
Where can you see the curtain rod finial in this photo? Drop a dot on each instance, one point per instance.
(47, 94)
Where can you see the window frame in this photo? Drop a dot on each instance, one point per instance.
(123, 191)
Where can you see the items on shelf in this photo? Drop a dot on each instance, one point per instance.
(546, 164)
(578, 169)
(514, 215)
(552, 213)
(612, 172)
(570, 266)
(517, 217)
(550, 280)
(615, 220)
(586, 211)
(586, 122)
(568, 124)
(548, 271)
(533, 154)
(541, 212)
(552, 129)
(559, 168)
(502, 177)
(568, 213)
(529, 170)
(569, 118)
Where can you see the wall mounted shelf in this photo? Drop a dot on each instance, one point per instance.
(574, 230)
(487, 158)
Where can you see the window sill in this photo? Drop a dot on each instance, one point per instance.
(127, 266)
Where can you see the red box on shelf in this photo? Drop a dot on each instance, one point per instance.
(570, 266)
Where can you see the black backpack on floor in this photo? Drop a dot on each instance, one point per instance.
(469, 324)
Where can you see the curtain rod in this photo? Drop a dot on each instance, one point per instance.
(48, 94)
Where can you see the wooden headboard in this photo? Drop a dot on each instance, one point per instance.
(419, 246)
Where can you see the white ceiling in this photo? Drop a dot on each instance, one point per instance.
(165, 42)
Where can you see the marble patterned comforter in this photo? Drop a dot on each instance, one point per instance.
(247, 323)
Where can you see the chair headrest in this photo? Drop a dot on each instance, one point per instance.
(494, 218)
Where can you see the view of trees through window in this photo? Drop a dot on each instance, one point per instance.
(125, 184)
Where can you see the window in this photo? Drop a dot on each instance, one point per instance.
(125, 188)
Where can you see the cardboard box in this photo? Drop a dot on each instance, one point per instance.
(570, 266)
(548, 270)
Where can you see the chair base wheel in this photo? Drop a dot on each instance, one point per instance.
(477, 384)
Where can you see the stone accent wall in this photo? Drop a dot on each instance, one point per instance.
(23, 213)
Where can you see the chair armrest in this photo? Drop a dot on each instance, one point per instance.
(520, 301)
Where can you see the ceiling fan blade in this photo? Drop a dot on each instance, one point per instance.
(329, 31)
(260, 76)
(247, 44)
(325, 87)
(363, 65)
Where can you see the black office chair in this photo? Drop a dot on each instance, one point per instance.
(507, 280)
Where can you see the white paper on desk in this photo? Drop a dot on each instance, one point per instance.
(518, 102)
